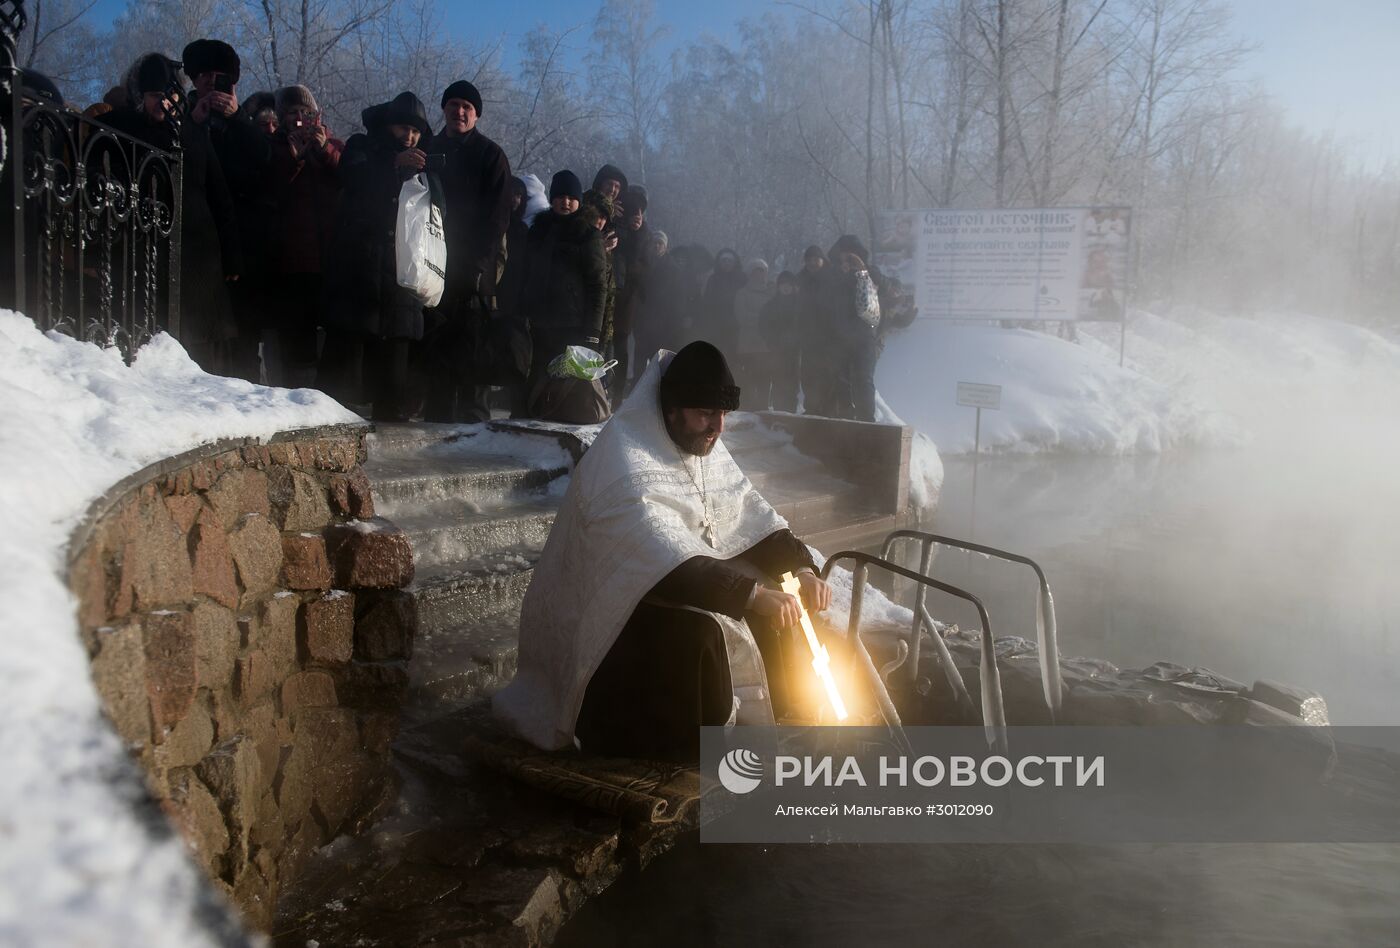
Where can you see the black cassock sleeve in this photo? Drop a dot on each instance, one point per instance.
(716, 585)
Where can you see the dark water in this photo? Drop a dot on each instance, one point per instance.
(1258, 563)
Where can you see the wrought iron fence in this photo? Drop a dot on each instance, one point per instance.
(90, 234)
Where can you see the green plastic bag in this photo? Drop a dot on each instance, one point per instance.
(580, 362)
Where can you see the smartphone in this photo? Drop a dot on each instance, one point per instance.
(436, 163)
(224, 84)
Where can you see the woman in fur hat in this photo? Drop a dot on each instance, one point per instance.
(370, 320)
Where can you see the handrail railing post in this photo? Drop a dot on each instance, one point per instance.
(11, 85)
(922, 619)
(1047, 637)
(994, 718)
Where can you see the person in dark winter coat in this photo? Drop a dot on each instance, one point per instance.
(370, 320)
(632, 264)
(210, 253)
(855, 341)
(656, 319)
(817, 354)
(781, 324)
(214, 68)
(510, 290)
(565, 275)
(461, 359)
(693, 264)
(304, 190)
(720, 323)
(753, 354)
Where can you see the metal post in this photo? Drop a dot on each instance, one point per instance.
(14, 135)
(1122, 337)
(976, 454)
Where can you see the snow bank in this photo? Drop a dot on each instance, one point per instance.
(1056, 396)
(1274, 373)
(77, 863)
(1191, 377)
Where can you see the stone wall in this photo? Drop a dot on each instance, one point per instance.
(243, 611)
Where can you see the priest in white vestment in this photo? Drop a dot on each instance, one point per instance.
(655, 605)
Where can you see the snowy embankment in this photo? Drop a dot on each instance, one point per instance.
(1190, 378)
(77, 864)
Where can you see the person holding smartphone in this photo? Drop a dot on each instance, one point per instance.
(303, 190)
(244, 155)
(467, 347)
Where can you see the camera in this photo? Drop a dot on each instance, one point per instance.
(224, 84)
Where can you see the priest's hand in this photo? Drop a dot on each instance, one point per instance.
(782, 607)
(816, 592)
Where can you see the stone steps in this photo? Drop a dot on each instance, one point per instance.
(458, 594)
(454, 666)
(412, 486)
(391, 440)
(453, 536)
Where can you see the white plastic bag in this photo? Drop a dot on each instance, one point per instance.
(867, 300)
(420, 244)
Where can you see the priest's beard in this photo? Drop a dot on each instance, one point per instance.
(692, 442)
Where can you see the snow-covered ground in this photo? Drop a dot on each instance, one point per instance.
(1190, 378)
(77, 864)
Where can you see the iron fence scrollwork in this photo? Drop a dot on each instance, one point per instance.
(91, 247)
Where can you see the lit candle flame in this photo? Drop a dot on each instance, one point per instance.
(821, 660)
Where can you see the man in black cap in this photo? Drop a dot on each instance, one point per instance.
(655, 607)
(462, 357)
(245, 156)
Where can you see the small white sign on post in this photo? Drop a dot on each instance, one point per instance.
(977, 395)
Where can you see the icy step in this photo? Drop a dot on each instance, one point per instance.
(402, 440)
(405, 486)
(450, 535)
(466, 592)
(456, 665)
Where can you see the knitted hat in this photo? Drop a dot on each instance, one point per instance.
(462, 89)
(787, 277)
(609, 173)
(634, 199)
(699, 377)
(565, 184)
(209, 55)
(659, 237)
(295, 97)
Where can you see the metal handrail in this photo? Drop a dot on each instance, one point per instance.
(1045, 629)
(993, 714)
(94, 242)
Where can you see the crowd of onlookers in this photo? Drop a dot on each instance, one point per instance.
(287, 260)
